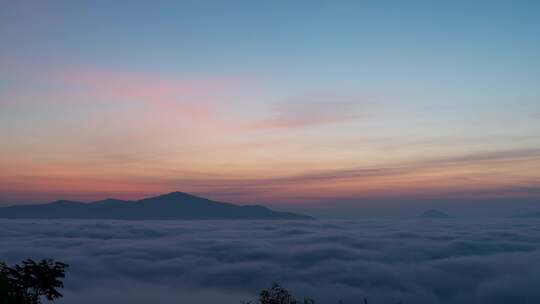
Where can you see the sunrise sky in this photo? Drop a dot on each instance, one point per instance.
(279, 102)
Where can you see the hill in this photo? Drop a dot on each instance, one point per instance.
(532, 214)
(175, 205)
(434, 214)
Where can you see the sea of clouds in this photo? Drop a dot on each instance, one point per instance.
(387, 261)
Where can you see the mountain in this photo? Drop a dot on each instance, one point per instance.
(434, 214)
(175, 205)
(532, 214)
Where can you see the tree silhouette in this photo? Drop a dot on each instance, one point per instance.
(28, 282)
(278, 295)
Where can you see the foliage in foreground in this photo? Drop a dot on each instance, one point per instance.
(278, 295)
(28, 282)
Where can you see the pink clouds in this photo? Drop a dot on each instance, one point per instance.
(195, 97)
(200, 99)
(122, 101)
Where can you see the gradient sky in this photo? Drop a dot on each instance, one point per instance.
(298, 103)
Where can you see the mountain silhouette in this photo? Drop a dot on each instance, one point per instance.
(434, 214)
(175, 205)
(532, 214)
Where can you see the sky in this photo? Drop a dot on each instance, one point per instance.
(300, 104)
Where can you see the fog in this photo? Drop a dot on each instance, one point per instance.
(387, 261)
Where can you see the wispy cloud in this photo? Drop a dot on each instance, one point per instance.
(195, 96)
(466, 175)
(314, 110)
(191, 96)
(406, 168)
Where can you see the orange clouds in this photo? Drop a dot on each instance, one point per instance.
(474, 175)
(97, 132)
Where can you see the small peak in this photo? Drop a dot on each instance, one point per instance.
(109, 201)
(63, 202)
(170, 196)
(176, 194)
(434, 213)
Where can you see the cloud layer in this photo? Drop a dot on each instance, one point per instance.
(450, 261)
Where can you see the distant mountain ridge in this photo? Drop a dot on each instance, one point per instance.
(434, 214)
(174, 205)
(531, 214)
